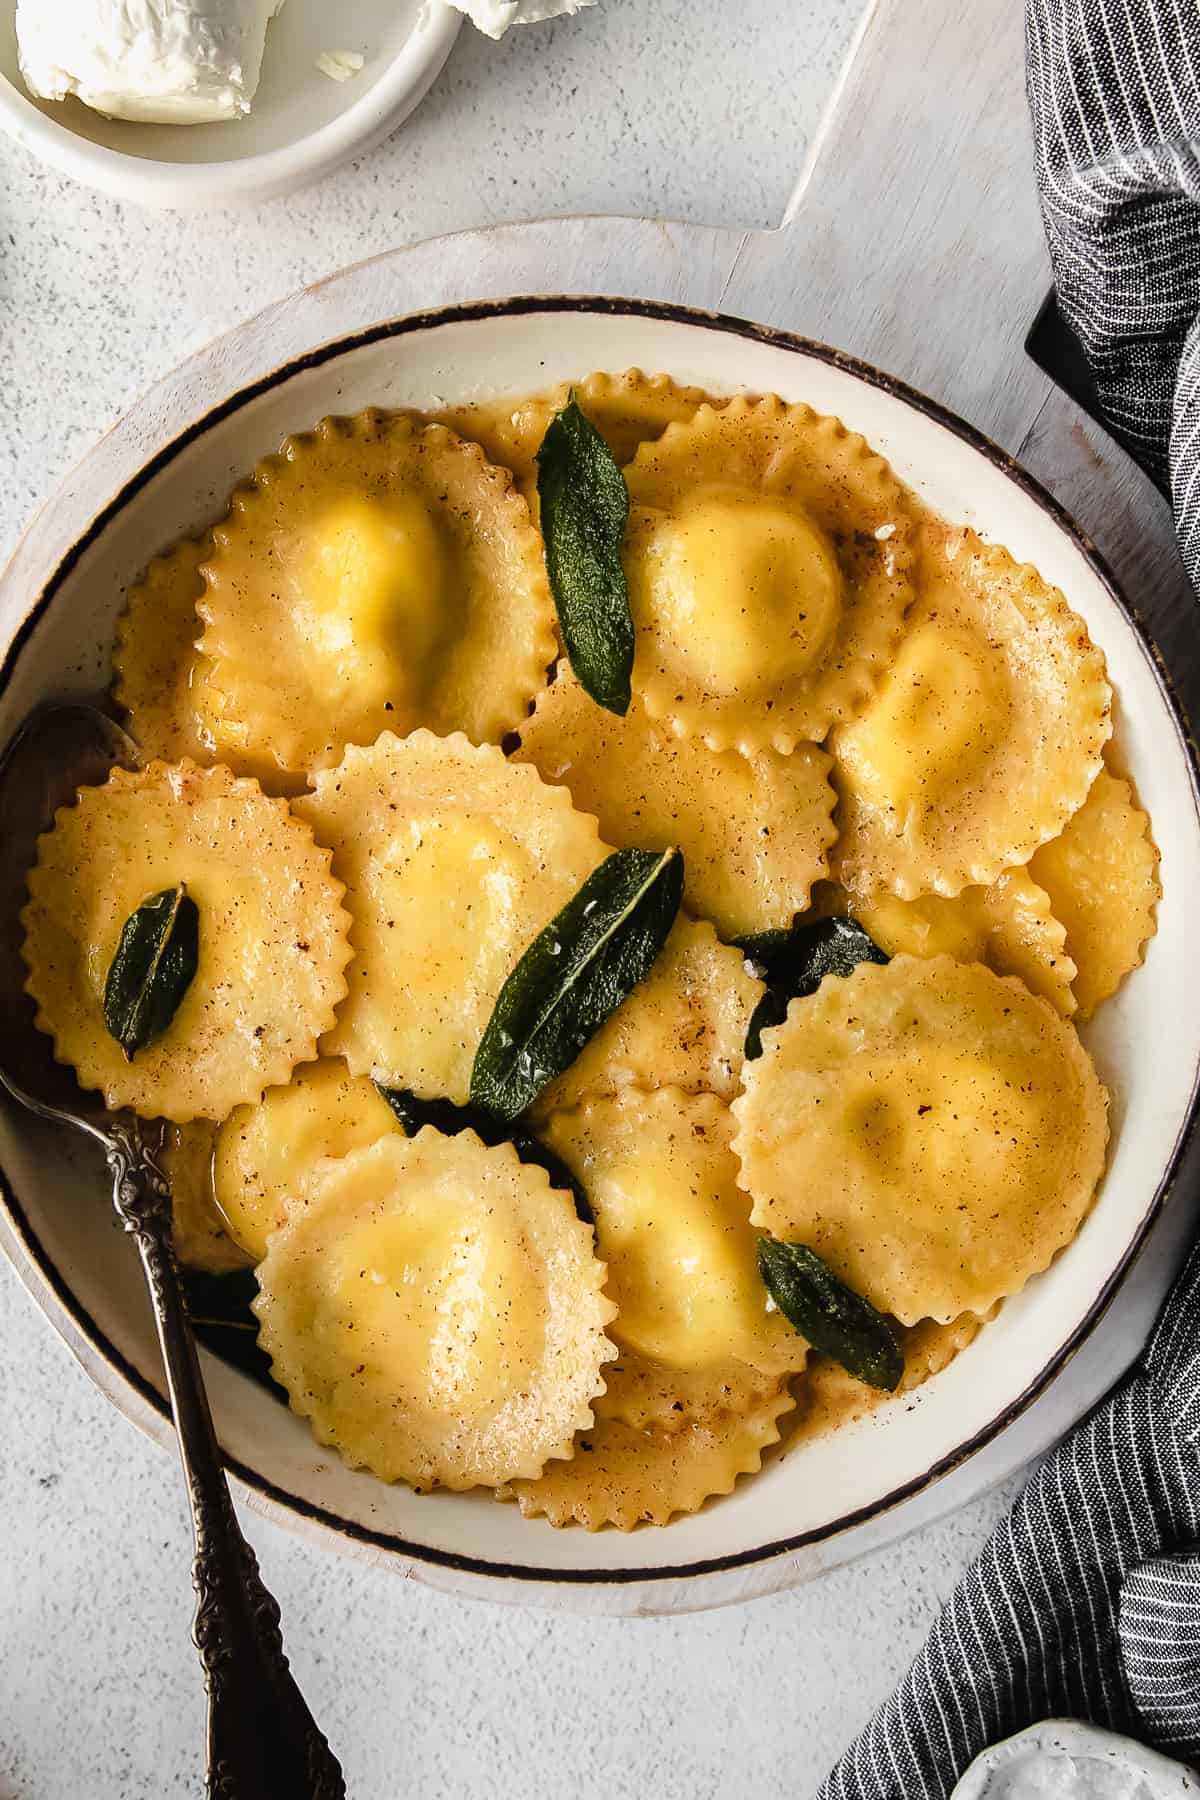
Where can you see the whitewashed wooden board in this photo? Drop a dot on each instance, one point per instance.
(913, 240)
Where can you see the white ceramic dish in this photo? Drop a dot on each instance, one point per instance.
(1064, 1759)
(302, 123)
(167, 471)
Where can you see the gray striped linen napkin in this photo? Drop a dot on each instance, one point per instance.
(1086, 1600)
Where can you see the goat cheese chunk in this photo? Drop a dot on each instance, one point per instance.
(168, 62)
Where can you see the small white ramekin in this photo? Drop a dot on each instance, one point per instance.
(301, 126)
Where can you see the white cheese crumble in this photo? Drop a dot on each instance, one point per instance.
(493, 17)
(340, 65)
(170, 62)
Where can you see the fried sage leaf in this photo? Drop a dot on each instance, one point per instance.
(794, 963)
(574, 976)
(834, 1319)
(152, 969)
(223, 1322)
(413, 1112)
(584, 507)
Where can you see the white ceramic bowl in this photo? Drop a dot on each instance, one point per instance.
(167, 471)
(302, 123)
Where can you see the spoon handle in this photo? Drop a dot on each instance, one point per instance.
(263, 1743)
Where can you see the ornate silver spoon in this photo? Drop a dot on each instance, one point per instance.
(263, 1743)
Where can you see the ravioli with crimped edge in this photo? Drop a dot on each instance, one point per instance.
(652, 1395)
(627, 410)
(673, 1226)
(262, 1154)
(1102, 876)
(755, 831)
(376, 573)
(768, 561)
(934, 1131)
(1011, 926)
(436, 1311)
(453, 859)
(684, 1026)
(986, 732)
(622, 1476)
(273, 936)
(158, 674)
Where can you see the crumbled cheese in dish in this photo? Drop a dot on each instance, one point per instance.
(340, 65)
(174, 62)
(493, 17)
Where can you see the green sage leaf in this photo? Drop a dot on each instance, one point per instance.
(794, 963)
(584, 507)
(222, 1319)
(152, 969)
(834, 1319)
(413, 1112)
(574, 976)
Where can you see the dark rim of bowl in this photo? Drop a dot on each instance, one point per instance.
(975, 440)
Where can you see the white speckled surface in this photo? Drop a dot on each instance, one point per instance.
(686, 108)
